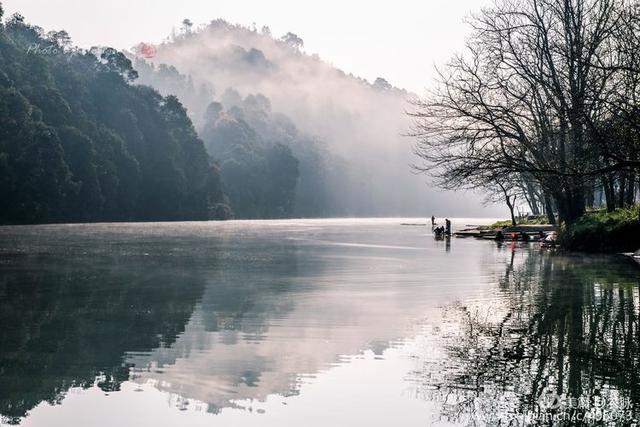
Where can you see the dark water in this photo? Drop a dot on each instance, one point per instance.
(320, 322)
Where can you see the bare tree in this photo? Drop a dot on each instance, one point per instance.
(504, 191)
(524, 99)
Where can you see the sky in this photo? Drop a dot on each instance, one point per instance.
(402, 41)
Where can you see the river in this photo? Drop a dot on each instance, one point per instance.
(341, 322)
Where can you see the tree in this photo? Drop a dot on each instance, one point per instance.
(259, 171)
(187, 25)
(525, 98)
(85, 198)
(283, 178)
(79, 142)
(115, 61)
(60, 38)
(293, 40)
(382, 84)
(16, 19)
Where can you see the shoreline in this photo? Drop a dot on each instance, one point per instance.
(595, 232)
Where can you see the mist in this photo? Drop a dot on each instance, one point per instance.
(361, 123)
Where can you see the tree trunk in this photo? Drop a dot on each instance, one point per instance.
(630, 196)
(513, 218)
(532, 204)
(570, 202)
(511, 207)
(530, 196)
(609, 192)
(590, 194)
(578, 204)
(621, 189)
(548, 207)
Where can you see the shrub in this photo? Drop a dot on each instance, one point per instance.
(603, 231)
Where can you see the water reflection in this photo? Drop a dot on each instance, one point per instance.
(213, 313)
(64, 326)
(113, 308)
(225, 318)
(559, 343)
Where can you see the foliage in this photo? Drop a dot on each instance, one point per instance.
(603, 231)
(340, 128)
(79, 142)
(259, 151)
(519, 221)
(259, 176)
(293, 40)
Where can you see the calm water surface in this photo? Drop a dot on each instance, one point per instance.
(309, 322)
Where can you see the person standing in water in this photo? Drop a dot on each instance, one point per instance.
(433, 221)
(448, 227)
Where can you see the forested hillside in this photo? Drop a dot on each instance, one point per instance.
(80, 142)
(345, 132)
(269, 167)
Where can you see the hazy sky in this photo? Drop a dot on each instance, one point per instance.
(400, 40)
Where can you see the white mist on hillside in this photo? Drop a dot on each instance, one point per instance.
(361, 122)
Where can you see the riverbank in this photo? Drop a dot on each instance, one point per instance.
(498, 225)
(527, 230)
(601, 231)
(597, 231)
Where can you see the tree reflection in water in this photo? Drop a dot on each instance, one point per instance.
(69, 324)
(558, 343)
(84, 317)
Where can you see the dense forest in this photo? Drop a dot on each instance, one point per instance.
(80, 142)
(260, 177)
(104, 135)
(251, 142)
(216, 122)
(345, 132)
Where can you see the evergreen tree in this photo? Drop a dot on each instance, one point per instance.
(80, 142)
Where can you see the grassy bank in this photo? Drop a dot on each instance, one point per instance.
(601, 231)
(525, 221)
